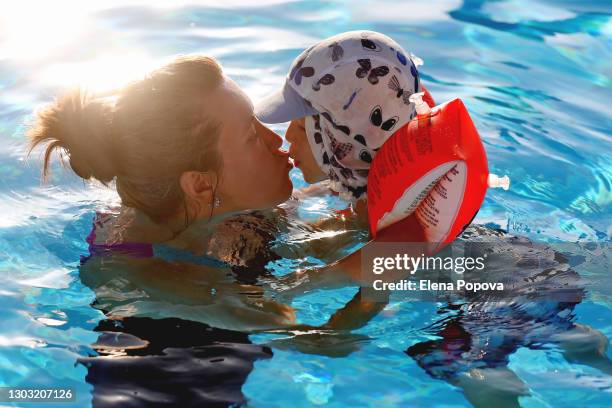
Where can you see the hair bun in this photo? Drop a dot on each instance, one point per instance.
(78, 124)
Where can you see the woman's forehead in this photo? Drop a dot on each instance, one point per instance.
(233, 109)
(235, 98)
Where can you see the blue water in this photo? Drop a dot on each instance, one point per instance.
(535, 77)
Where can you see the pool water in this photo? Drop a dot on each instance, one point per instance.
(536, 78)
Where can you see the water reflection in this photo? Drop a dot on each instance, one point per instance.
(146, 362)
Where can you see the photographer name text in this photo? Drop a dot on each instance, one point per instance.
(403, 264)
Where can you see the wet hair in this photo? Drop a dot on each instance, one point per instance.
(144, 137)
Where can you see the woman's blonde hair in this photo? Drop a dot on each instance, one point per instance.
(156, 129)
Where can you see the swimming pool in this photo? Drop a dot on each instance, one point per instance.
(535, 77)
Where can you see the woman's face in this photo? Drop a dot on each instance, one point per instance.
(254, 173)
(301, 153)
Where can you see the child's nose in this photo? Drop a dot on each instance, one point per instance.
(289, 135)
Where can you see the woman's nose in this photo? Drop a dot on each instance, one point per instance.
(273, 140)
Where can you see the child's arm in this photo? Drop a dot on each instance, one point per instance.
(313, 190)
(331, 233)
(356, 313)
(348, 270)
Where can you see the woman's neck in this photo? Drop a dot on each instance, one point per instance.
(193, 237)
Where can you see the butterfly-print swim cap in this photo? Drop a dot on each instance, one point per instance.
(353, 89)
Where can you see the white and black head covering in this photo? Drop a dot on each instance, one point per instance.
(353, 89)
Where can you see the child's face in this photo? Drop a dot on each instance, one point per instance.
(301, 153)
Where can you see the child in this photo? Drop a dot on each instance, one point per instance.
(346, 95)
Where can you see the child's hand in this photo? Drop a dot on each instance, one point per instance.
(406, 230)
(356, 313)
(272, 311)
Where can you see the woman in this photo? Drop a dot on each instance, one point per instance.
(183, 146)
(186, 153)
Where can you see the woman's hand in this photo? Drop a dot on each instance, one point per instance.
(405, 230)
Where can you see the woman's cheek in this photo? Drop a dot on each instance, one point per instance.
(244, 167)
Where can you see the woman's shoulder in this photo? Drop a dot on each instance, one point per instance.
(244, 239)
(120, 225)
(239, 240)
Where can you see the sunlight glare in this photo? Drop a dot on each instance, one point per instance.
(35, 30)
(99, 75)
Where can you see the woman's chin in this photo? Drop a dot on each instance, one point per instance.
(309, 178)
(313, 178)
(284, 193)
(287, 190)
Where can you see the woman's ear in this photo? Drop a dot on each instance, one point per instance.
(198, 185)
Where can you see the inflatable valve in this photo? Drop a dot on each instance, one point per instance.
(416, 60)
(425, 95)
(422, 108)
(494, 181)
